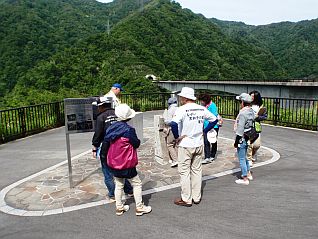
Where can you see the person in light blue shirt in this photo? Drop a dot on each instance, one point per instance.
(210, 149)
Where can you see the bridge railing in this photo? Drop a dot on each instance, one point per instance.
(20, 122)
(297, 113)
(146, 101)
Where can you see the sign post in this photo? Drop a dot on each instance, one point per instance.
(80, 117)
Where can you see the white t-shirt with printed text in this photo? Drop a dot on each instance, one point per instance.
(116, 101)
(190, 118)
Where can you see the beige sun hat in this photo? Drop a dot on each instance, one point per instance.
(124, 112)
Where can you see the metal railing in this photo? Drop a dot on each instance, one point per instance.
(146, 101)
(20, 122)
(296, 113)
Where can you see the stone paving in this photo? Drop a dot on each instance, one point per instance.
(50, 190)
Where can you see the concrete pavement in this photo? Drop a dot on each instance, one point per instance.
(280, 203)
(48, 192)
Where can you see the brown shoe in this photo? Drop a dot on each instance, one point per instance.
(180, 202)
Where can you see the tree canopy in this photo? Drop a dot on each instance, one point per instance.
(76, 48)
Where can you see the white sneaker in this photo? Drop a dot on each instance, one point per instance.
(211, 159)
(111, 199)
(174, 164)
(206, 161)
(250, 176)
(120, 211)
(243, 182)
(143, 210)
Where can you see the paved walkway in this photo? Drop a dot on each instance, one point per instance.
(48, 192)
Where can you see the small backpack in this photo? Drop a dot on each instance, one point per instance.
(252, 134)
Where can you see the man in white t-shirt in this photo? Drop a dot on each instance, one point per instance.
(114, 92)
(187, 128)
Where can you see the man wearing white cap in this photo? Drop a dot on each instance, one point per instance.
(187, 128)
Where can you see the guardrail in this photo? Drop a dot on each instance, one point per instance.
(20, 122)
(296, 113)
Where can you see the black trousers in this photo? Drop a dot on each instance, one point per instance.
(210, 149)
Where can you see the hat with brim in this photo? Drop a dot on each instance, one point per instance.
(172, 100)
(124, 112)
(118, 86)
(188, 93)
(244, 97)
(102, 100)
(212, 136)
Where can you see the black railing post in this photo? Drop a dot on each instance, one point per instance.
(21, 113)
(163, 100)
(2, 123)
(276, 110)
(237, 106)
(57, 114)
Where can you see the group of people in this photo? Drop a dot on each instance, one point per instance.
(191, 129)
(115, 143)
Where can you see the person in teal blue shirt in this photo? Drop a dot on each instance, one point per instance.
(210, 149)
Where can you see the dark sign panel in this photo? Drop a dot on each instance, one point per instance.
(79, 115)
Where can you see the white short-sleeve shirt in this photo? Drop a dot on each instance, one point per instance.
(190, 118)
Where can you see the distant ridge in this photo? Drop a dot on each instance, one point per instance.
(62, 49)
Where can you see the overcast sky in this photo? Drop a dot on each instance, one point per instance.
(253, 12)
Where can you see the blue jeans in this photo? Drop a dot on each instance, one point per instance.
(109, 179)
(241, 153)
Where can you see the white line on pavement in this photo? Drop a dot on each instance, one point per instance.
(20, 212)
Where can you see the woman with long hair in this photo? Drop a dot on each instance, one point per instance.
(260, 114)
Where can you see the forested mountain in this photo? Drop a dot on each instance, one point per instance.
(293, 45)
(55, 49)
(34, 30)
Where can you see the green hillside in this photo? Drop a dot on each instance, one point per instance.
(293, 45)
(163, 40)
(34, 30)
(59, 49)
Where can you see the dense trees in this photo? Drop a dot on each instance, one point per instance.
(56, 49)
(293, 45)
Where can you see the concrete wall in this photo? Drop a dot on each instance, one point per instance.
(137, 123)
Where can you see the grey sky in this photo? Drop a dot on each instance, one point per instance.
(254, 12)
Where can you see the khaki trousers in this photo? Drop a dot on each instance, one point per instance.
(190, 170)
(172, 148)
(252, 148)
(119, 188)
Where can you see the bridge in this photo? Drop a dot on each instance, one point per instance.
(307, 89)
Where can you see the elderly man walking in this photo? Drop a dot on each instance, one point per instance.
(189, 120)
(114, 93)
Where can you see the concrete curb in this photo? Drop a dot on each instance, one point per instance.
(20, 212)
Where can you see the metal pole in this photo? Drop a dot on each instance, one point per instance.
(69, 160)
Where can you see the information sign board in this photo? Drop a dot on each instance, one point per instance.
(79, 115)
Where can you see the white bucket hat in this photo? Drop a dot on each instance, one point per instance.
(188, 93)
(124, 112)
